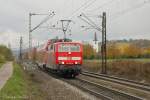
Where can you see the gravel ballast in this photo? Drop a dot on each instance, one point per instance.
(46, 87)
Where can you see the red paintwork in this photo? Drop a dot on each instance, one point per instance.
(51, 58)
(66, 54)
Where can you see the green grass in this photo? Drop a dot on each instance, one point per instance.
(16, 86)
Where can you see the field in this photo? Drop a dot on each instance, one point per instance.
(16, 86)
(134, 69)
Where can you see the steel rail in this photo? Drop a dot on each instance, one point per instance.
(103, 95)
(122, 81)
(100, 95)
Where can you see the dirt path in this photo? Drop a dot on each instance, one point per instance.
(5, 73)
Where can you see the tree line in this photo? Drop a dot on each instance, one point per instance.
(5, 54)
(115, 51)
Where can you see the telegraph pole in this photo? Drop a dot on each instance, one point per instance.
(103, 47)
(30, 37)
(20, 54)
(103, 30)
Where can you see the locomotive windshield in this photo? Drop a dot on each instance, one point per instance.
(69, 48)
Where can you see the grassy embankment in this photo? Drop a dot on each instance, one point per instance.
(5, 55)
(21, 86)
(1, 65)
(16, 86)
(136, 69)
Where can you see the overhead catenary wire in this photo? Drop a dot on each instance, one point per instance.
(83, 6)
(80, 7)
(93, 15)
(86, 21)
(120, 13)
(89, 5)
(90, 20)
(43, 21)
(89, 23)
(101, 6)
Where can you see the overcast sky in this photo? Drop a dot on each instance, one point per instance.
(125, 19)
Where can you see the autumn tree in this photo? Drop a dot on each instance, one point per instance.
(146, 52)
(132, 51)
(5, 54)
(88, 52)
(113, 51)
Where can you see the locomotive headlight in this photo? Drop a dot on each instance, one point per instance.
(76, 62)
(62, 63)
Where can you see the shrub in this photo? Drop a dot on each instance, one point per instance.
(2, 58)
(5, 53)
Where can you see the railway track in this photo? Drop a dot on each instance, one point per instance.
(101, 91)
(126, 82)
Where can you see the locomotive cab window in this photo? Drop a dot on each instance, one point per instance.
(74, 48)
(69, 48)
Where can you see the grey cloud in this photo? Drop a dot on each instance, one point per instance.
(134, 24)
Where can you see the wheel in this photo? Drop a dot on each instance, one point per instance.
(44, 66)
(73, 76)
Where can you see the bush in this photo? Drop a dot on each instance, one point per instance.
(2, 58)
(5, 54)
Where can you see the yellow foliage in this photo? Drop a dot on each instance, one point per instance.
(113, 51)
(88, 51)
(132, 51)
(122, 46)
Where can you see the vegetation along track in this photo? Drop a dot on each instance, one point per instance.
(122, 81)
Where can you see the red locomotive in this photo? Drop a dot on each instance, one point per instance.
(62, 57)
